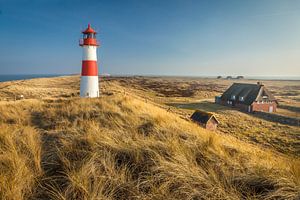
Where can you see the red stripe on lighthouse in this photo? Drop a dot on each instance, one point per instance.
(89, 68)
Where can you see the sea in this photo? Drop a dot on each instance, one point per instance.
(13, 77)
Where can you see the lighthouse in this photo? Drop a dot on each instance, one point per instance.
(89, 85)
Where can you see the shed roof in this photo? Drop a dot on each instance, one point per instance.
(249, 92)
(203, 117)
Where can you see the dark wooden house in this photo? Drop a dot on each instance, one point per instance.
(249, 97)
(205, 119)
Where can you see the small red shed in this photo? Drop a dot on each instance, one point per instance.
(205, 119)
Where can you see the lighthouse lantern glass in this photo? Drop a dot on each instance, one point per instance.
(89, 35)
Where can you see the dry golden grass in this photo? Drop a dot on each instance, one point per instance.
(121, 146)
(270, 134)
(248, 127)
(20, 161)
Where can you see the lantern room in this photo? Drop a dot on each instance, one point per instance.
(89, 37)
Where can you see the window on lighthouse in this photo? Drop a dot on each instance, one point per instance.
(90, 35)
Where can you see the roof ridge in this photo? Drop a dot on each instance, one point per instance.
(202, 111)
(247, 84)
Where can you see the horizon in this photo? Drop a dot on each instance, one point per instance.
(153, 38)
(216, 75)
(14, 77)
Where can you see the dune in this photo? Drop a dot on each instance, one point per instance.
(122, 145)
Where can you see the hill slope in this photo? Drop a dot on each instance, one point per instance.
(121, 147)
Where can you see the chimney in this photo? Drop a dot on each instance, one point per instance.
(260, 83)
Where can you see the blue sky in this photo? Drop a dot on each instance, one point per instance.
(153, 37)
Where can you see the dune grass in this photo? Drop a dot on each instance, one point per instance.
(249, 127)
(20, 161)
(120, 147)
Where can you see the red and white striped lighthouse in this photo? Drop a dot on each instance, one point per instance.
(89, 85)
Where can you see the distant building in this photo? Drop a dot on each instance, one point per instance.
(205, 119)
(105, 75)
(249, 97)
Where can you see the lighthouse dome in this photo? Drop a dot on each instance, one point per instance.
(89, 30)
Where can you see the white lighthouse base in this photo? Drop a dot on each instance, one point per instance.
(89, 87)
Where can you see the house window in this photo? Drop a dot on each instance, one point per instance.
(233, 97)
(241, 98)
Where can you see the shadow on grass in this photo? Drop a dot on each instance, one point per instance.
(54, 178)
(203, 105)
(290, 108)
(272, 117)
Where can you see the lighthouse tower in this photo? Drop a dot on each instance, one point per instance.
(89, 85)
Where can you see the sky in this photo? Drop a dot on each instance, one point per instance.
(153, 37)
